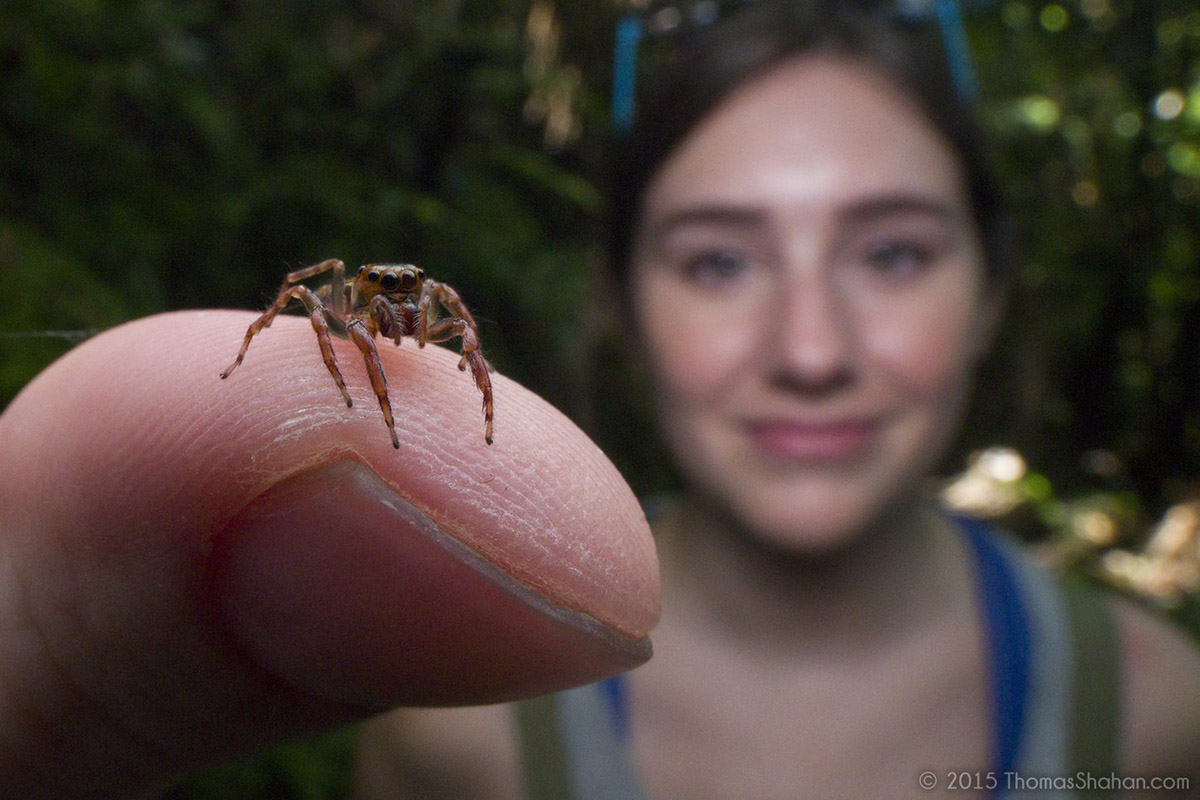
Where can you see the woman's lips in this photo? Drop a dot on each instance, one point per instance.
(812, 441)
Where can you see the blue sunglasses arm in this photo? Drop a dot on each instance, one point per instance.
(628, 35)
(958, 51)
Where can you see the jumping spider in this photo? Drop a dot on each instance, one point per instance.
(394, 300)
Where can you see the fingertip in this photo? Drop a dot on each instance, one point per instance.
(392, 610)
(136, 436)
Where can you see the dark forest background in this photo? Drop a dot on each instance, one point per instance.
(167, 154)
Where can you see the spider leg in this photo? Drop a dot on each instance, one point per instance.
(471, 355)
(321, 326)
(358, 333)
(287, 293)
(433, 296)
(435, 293)
(337, 287)
(285, 296)
(318, 315)
(426, 313)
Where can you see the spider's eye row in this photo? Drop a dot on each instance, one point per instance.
(372, 276)
(389, 281)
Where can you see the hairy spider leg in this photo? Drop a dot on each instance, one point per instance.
(285, 296)
(358, 333)
(337, 286)
(459, 323)
(436, 294)
(450, 327)
(318, 315)
(433, 296)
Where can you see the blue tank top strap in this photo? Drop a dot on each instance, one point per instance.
(1072, 663)
(1045, 739)
(1006, 621)
(616, 692)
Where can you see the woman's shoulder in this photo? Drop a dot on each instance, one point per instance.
(1155, 664)
(1161, 694)
(1158, 666)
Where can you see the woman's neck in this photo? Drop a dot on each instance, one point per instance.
(902, 575)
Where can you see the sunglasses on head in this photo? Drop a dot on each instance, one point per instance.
(675, 20)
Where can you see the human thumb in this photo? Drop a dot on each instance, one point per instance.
(191, 569)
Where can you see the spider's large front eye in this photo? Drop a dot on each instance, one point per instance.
(372, 276)
(389, 281)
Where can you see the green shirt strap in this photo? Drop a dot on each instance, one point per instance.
(543, 753)
(1096, 697)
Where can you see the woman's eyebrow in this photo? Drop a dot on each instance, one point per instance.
(716, 215)
(874, 209)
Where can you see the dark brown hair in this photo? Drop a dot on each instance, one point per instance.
(760, 36)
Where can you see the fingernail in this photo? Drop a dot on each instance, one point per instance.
(336, 584)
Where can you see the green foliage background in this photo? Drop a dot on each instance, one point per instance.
(1095, 110)
(159, 154)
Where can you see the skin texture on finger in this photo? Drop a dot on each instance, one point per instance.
(195, 567)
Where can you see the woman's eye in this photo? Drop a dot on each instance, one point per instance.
(715, 268)
(898, 258)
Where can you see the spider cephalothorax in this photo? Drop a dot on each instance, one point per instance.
(392, 300)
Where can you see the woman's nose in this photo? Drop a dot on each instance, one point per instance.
(813, 339)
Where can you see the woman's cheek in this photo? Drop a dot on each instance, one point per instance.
(926, 351)
(696, 354)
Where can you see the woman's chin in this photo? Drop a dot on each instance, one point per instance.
(815, 529)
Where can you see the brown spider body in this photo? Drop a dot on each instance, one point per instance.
(392, 300)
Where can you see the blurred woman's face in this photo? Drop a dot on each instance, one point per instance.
(811, 297)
